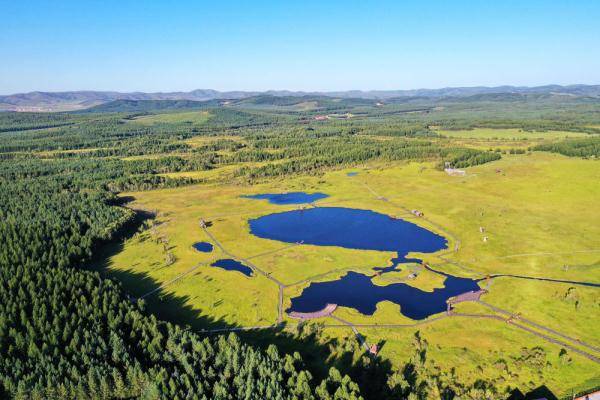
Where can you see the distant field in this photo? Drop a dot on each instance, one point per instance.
(196, 117)
(538, 211)
(505, 139)
(298, 107)
(197, 141)
(306, 106)
(211, 175)
(509, 134)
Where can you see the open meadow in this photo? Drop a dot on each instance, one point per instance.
(300, 200)
(524, 217)
(415, 248)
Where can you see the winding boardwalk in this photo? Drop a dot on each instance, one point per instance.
(535, 278)
(279, 284)
(541, 327)
(497, 309)
(361, 339)
(549, 253)
(558, 342)
(457, 244)
(504, 315)
(266, 253)
(178, 277)
(440, 228)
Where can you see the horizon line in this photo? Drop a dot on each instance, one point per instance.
(299, 91)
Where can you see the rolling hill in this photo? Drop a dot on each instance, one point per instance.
(77, 100)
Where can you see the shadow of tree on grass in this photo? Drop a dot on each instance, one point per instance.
(319, 355)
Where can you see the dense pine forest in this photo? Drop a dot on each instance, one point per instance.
(68, 332)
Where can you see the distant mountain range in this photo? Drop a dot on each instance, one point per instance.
(77, 100)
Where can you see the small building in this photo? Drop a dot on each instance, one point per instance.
(417, 213)
(321, 117)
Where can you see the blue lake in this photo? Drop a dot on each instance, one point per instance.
(364, 230)
(352, 174)
(288, 198)
(347, 227)
(204, 247)
(233, 265)
(358, 291)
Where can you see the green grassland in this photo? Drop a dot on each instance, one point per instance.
(508, 134)
(524, 221)
(505, 139)
(539, 212)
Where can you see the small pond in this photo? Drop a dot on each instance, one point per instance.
(203, 247)
(233, 265)
(288, 198)
(353, 173)
(364, 230)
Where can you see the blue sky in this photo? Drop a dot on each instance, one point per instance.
(297, 45)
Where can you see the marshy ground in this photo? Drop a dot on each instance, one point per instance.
(538, 213)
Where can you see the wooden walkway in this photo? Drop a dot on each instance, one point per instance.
(591, 352)
(279, 284)
(361, 339)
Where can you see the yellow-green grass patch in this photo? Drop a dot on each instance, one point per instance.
(196, 117)
(509, 134)
(538, 212)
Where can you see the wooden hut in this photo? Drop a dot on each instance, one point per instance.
(417, 213)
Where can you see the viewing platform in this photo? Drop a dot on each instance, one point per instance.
(472, 295)
(325, 312)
